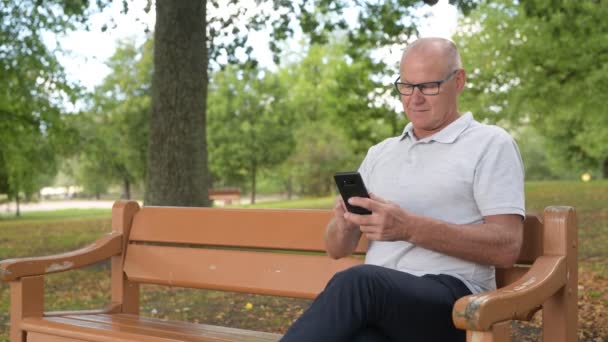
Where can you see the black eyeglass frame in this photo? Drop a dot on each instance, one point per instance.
(421, 86)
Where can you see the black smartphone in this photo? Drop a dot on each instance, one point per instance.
(350, 184)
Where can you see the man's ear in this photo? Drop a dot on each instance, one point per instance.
(461, 80)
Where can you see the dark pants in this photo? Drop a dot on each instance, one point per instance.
(373, 303)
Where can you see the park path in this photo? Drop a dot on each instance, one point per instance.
(56, 205)
(7, 208)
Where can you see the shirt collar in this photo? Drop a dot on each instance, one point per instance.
(448, 134)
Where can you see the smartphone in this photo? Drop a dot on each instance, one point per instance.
(350, 184)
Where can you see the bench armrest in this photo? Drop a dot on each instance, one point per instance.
(104, 248)
(480, 311)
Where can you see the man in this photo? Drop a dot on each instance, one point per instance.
(447, 206)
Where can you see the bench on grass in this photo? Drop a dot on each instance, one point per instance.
(226, 195)
(251, 250)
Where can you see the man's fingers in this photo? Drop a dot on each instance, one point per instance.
(377, 198)
(371, 236)
(339, 204)
(361, 202)
(358, 219)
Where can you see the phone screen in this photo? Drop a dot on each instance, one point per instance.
(350, 184)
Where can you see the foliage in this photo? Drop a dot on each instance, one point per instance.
(318, 111)
(544, 63)
(340, 112)
(533, 147)
(111, 135)
(321, 151)
(250, 127)
(32, 87)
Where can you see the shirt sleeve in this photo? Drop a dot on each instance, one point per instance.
(499, 178)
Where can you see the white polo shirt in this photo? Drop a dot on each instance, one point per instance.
(460, 174)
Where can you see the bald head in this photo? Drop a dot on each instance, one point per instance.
(442, 50)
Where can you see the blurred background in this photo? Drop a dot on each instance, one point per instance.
(295, 91)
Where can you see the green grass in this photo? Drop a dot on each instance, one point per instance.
(56, 215)
(44, 233)
(301, 203)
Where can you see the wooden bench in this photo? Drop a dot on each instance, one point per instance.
(226, 195)
(243, 250)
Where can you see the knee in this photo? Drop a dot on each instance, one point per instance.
(356, 275)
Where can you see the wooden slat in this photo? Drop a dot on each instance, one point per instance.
(180, 327)
(109, 309)
(122, 327)
(296, 229)
(291, 275)
(38, 337)
(532, 246)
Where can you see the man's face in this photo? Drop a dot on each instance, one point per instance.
(430, 113)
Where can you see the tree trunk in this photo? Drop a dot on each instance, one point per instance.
(177, 172)
(289, 186)
(18, 212)
(126, 188)
(253, 181)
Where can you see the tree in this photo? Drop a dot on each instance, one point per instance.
(113, 132)
(31, 87)
(177, 172)
(544, 63)
(250, 126)
(321, 151)
(333, 95)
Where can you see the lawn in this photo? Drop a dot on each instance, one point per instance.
(61, 231)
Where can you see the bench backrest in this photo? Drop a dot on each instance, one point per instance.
(263, 251)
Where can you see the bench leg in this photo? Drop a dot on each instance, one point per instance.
(124, 292)
(501, 332)
(560, 312)
(27, 300)
(479, 336)
(560, 317)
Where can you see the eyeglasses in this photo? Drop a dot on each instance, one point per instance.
(426, 88)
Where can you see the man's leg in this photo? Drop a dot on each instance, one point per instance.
(402, 306)
(369, 335)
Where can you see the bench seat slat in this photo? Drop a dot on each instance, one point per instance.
(280, 274)
(122, 327)
(128, 319)
(298, 229)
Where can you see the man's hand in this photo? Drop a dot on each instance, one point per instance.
(388, 221)
(496, 241)
(339, 218)
(341, 236)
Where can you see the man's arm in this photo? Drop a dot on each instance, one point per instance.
(341, 237)
(495, 242)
